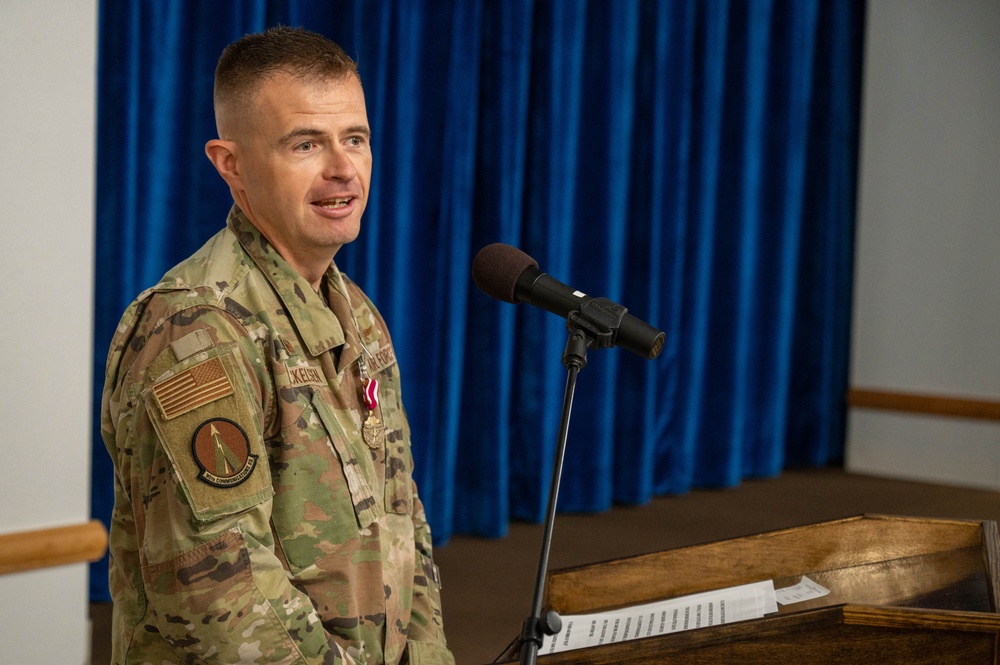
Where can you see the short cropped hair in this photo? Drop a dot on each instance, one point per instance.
(246, 63)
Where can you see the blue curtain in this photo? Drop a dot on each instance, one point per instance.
(693, 160)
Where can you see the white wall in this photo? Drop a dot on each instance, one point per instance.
(927, 293)
(47, 120)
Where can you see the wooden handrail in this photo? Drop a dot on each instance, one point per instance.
(936, 405)
(42, 548)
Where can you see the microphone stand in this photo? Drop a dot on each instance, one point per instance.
(574, 359)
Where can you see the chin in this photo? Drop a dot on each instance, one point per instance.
(343, 237)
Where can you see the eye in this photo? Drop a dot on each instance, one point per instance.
(305, 146)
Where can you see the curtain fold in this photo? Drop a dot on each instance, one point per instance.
(694, 160)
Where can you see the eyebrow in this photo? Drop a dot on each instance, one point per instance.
(309, 132)
(301, 132)
(359, 129)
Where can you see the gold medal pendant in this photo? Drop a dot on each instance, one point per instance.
(373, 432)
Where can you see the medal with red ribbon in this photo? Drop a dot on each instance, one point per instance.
(372, 431)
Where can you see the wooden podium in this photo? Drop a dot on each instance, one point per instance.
(902, 590)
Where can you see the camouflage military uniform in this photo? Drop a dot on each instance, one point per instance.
(253, 523)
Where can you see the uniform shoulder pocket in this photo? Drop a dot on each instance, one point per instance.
(204, 416)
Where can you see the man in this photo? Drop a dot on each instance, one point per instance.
(265, 510)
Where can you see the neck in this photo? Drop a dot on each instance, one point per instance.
(312, 266)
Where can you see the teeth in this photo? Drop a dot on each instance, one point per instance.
(335, 203)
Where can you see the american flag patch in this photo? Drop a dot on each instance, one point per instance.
(194, 387)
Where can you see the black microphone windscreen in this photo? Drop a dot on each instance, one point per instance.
(496, 268)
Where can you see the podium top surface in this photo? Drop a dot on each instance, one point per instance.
(871, 560)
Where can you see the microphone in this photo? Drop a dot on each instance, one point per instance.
(508, 274)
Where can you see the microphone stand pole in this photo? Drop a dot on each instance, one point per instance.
(574, 359)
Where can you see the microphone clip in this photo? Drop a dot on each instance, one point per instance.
(599, 319)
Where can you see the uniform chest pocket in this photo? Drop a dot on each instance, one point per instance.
(323, 498)
(398, 456)
(356, 463)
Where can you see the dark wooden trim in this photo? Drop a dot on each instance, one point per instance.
(991, 561)
(935, 405)
(28, 550)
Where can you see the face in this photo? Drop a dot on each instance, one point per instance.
(300, 167)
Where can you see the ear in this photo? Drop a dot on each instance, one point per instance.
(223, 155)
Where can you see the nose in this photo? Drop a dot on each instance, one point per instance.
(339, 165)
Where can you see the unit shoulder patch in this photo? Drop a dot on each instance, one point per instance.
(222, 451)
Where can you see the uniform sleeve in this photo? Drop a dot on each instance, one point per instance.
(426, 643)
(189, 434)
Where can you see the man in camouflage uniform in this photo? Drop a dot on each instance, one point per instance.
(265, 510)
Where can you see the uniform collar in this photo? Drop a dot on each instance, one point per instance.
(318, 326)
